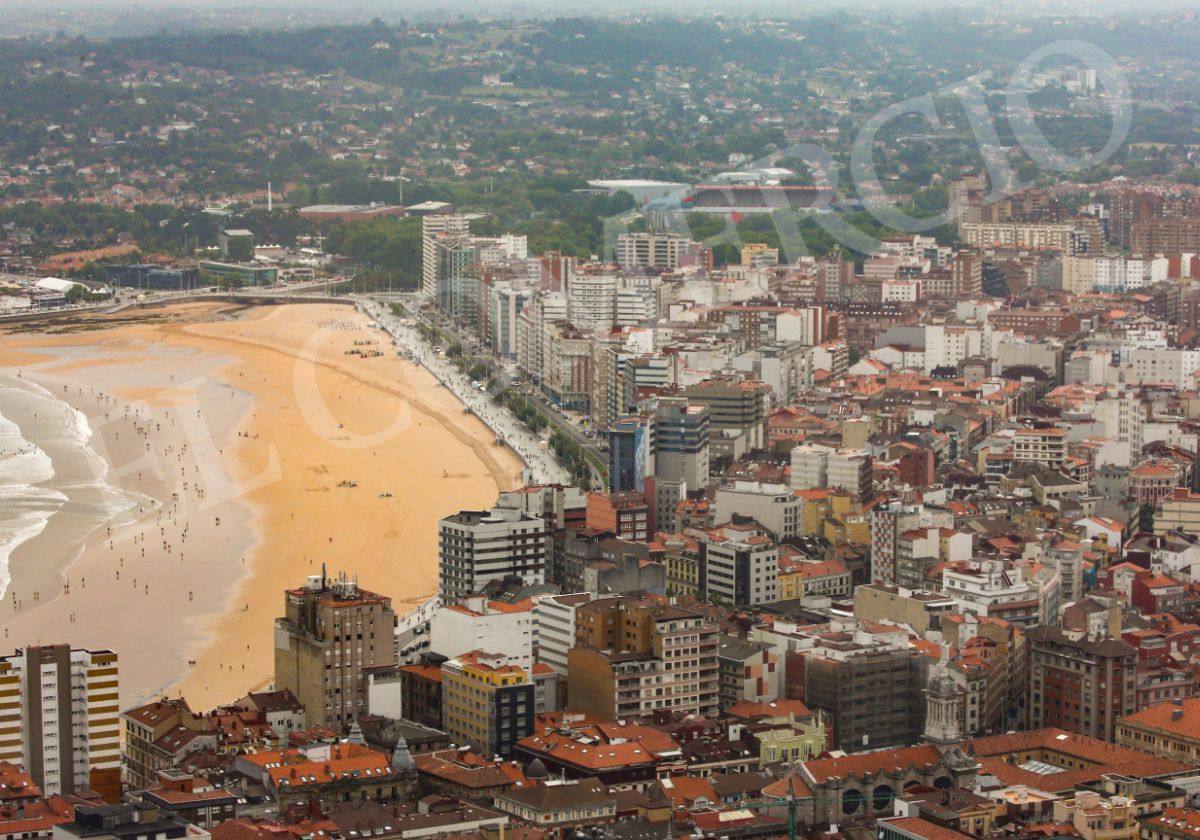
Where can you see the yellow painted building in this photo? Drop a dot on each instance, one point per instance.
(487, 702)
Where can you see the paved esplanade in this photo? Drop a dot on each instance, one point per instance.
(541, 465)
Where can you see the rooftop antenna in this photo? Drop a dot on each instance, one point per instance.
(322, 574)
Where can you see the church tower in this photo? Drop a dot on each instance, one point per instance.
(941, 708)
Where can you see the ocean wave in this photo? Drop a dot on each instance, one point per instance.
(33, 487)
(25, 508)
(115, 500)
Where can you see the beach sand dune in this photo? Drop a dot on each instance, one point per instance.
(237, 432)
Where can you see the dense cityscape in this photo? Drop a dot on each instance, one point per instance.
(623, 425)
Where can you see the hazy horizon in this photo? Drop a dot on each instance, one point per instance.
(90, 17)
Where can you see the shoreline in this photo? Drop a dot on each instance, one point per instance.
(286, 412)
(141, 435)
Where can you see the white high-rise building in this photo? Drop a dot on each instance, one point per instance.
(555, 619)
(809, 464)
(60, 718)
(592, 300)
(476, 547)
(1163, 366)
(774, 506)
(948, 344)
(653, 250)
(431, 228)
(741, 566)
(504, 305)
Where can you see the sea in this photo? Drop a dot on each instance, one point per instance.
(51, 475)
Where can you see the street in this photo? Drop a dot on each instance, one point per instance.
(506, 373)
(541, 465)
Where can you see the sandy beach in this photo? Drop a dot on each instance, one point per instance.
(223, 435)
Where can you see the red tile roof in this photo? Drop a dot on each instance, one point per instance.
(918, 827)
(749, 710)
(293, 768)
(1162, 717)
(821, 770)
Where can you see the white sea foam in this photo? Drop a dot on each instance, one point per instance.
(25, 508)
(60, 472)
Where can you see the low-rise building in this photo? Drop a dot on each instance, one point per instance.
(1169, 729)
(560, 804)
(326, 773)
(126, 822)
(1096, 817)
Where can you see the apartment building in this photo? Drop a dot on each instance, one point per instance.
(681, 440)
(989, 588)
(779, 370)
(1166, 729)
(555, 617)
(1165, 236)
(487, 702)
(1047, 447)
(851, 470)
(735, 407)
(1180, 510)
(475, 622)
(869, 684)
(476, 547)
(592, 299)
(749, 671)
(1079, 683)
(1096, 817)
(633, 657)
(817, 467)
(566, 377)
(636, 306)
(543, 311)
(1163, 366)
(60, 718)
(433, 228)
(889, 521)
(948, 344)
(918, 551)
(774, 506)
(655, 250)
(759, 255)
(809, 466)
(1059, 237)
(631, 448)
(625, 515)
(505, 303)
(739, 566)
(1036, 322)
(329, 634)
(421, 693)
(1129, 207)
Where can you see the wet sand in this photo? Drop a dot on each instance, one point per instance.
(240, 425)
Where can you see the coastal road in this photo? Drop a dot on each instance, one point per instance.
(541, 465)
(557, 418)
